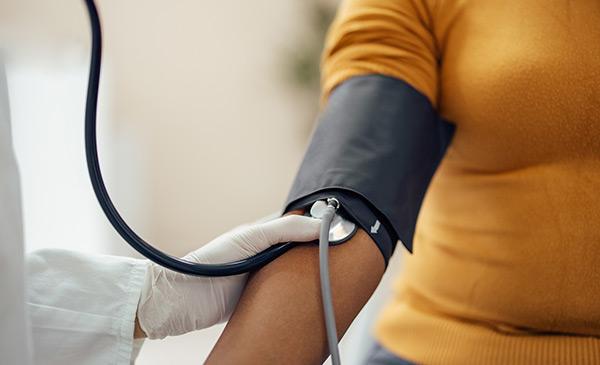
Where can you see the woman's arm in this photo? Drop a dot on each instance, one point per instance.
(279, 318)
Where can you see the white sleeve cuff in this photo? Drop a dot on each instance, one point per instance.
(83, 307)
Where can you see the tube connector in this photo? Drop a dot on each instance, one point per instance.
(334, 203)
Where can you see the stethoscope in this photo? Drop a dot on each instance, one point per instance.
(334, 228)
(341, 229)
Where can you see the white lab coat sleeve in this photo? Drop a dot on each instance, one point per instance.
(82, 307)
(14, 333)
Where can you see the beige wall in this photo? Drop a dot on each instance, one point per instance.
(202, 131)
(200, 85)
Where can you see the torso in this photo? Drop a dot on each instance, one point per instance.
(513, 213)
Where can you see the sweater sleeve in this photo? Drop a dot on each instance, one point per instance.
(387, 37)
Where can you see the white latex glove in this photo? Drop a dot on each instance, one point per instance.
(172, 304)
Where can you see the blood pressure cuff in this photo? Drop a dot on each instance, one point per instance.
(376, 147)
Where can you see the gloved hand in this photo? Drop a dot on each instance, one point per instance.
(172, 304)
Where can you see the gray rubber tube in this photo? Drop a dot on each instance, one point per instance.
(330, 327)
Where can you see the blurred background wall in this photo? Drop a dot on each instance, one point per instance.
(205, 111)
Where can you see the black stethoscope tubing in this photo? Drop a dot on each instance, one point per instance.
(134, 240)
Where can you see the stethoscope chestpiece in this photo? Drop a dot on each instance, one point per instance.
(341, 229)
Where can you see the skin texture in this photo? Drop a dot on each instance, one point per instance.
(138, 332)
(279, 319)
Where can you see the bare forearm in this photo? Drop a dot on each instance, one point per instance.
(279, 318)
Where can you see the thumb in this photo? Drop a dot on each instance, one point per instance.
(295, 228)
(246, 241)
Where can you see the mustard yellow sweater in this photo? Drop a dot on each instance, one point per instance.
(506, 265)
